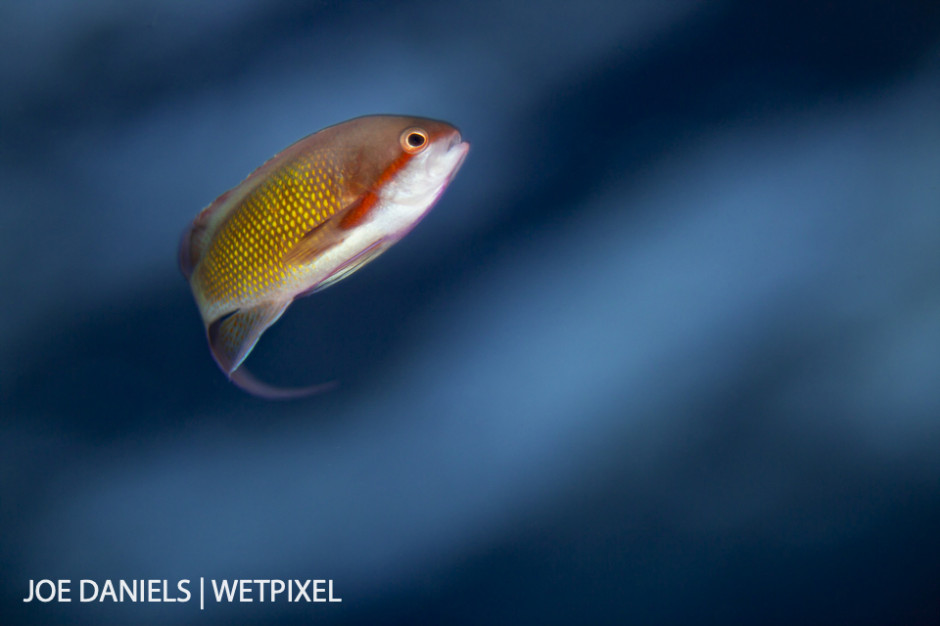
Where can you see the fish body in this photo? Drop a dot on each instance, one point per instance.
(310, 216)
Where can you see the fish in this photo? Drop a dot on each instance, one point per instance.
(307, 218)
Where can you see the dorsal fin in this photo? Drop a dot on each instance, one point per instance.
(192, 243)
(196, 236)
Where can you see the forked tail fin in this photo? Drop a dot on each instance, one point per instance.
(244, 379)
(232, 337)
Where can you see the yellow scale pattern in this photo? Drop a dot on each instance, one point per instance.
(245, 259)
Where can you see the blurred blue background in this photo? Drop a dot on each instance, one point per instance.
(666, 352)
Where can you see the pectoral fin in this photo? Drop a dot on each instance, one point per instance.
(331, 232)
(233, 336)
(350, 266)
(313, 244)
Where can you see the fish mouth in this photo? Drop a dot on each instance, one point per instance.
(457, 150)
(462, 147)
(443, 158)
(457, 142)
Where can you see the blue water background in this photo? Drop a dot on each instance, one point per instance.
(666, 352)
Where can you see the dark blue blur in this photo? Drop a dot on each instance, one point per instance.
(666, 352)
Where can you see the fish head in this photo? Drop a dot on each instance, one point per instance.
(401, 167)
(436, 153)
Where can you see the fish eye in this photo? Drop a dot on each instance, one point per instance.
(414, 140)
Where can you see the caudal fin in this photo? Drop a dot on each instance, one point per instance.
(244, 379)
(232, 337)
